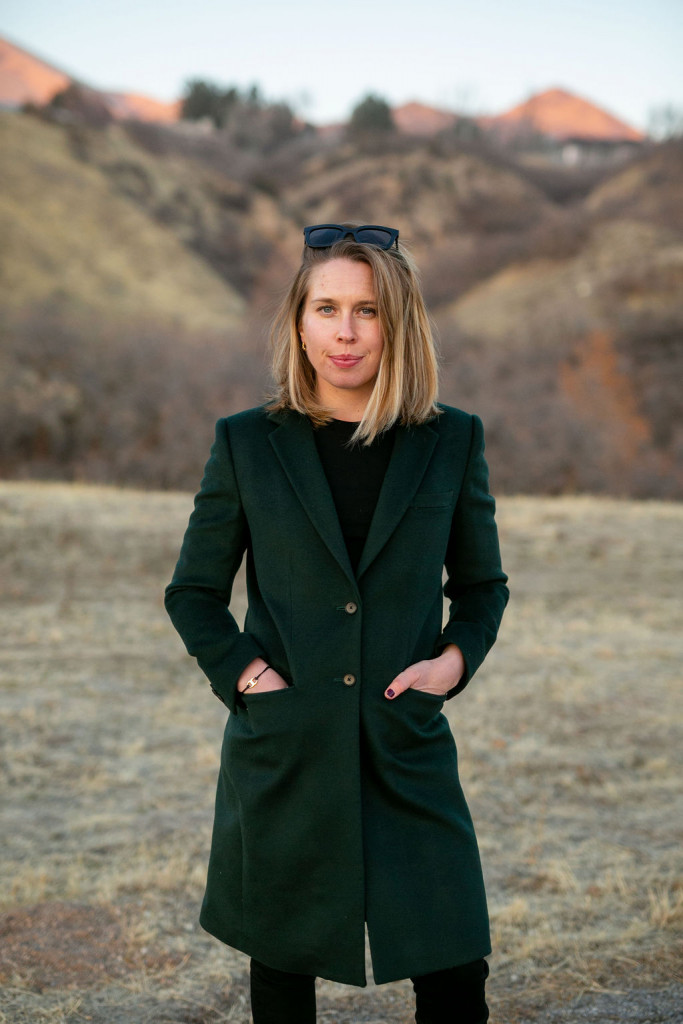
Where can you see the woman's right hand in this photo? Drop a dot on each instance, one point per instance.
(270, 680)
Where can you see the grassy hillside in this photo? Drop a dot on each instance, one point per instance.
(650, 189)
(142, 265)
(570, 743)
(70, 241)
(432, 196)
(624, 266)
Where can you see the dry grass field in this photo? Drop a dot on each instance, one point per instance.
(570, 743)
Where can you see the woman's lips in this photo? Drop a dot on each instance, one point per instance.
(346, 361)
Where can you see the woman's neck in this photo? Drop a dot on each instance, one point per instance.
(346, 419)
(348, 405)
(351, 412)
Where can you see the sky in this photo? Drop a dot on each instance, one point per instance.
(476, 57)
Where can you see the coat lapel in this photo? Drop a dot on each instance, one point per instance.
(295, 447)
(412, 451)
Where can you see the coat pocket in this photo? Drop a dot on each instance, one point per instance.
(264, 740)
(270, 705)
(434, 699)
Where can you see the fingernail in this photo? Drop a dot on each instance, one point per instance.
(390, 693)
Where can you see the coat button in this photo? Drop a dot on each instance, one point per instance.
(351, 607)
(349, 680)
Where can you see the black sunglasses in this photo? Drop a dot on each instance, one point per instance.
(322, 236)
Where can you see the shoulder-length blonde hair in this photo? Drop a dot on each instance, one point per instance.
(406, 387)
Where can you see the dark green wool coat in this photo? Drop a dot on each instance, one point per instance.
(335, 806)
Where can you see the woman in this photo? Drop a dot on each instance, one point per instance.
(338, 800)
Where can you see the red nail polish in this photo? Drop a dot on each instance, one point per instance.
(390, 693)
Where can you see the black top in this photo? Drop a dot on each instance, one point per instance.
(355, 476)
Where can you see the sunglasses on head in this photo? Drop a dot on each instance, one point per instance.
(322, 236)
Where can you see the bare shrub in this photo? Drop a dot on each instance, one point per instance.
(650, 348)
(583, 416)
(109, 404)
(591, 413)
(532, 439)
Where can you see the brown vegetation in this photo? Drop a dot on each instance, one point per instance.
(157, 253)
(124, 405)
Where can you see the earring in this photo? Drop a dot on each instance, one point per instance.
(303, 345)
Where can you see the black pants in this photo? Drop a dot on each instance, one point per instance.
(454, 996)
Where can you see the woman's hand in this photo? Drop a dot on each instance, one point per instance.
(270, 680)
(434, 675)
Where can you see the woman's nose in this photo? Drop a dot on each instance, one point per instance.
(345, 329)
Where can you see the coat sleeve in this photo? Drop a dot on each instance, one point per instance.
(198, 597)
(475, 584)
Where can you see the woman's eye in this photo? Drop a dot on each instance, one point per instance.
(368, 311)
(326, 309)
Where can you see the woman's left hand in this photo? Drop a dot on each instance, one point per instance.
(434, 675)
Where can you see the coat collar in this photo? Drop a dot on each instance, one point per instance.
(295, 447)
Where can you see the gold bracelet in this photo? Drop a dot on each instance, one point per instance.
(251, 683)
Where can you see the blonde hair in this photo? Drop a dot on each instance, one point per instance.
(407, 381)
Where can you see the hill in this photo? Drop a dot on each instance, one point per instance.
(563, 115)
(113, 326)
(73, 240)
(602, 280)
(649, 190)
(25, 78)
(420, 119)
(28, 79)
(562, 323)
(556, 291)
(555, 113)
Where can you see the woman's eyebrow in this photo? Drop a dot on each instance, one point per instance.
(360, 302)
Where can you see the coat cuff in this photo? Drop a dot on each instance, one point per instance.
(466, 636)
(224, 673)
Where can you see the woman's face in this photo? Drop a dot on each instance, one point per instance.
(341, 330)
